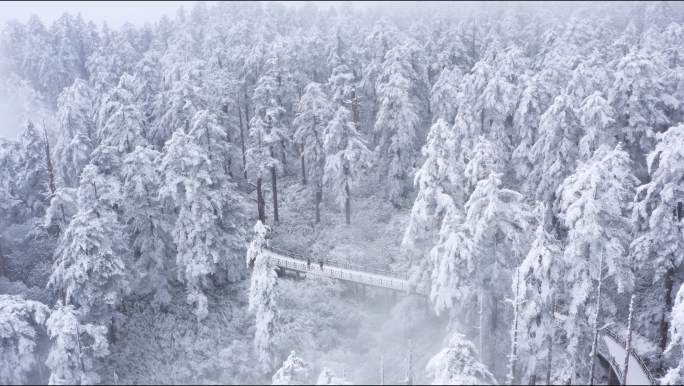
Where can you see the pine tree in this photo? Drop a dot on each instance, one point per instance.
(313, 116)
(444, 95)
(657, 217)
(636, 97)
(206, 230)
(32, 176)
(89, 268)
(596, 117)
(148, 222)
(457, 364)
(484, 160)
(439, 185)
(63, 207)
(346, 154)
(268, 134)
(19, 319)
(75, 347)
(540, 275)
(9, 165)
(593, 207)
(76, 132)
(397, 123)
(293, 372)
(263, 295)
(555, 152)
(675, 376)
(121, 125)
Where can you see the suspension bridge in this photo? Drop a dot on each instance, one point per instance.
(356, 274)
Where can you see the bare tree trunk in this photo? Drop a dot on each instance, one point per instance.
(347, 206)
(246, 120)
(355, 110)
(481, 325)
(629, 338)
(261, 205)
(551, 336)
(319, 198)
(80, 349)
(230, 157)
(409, 367)
(664, 323)
(275, 194)
(242, 138)
(514, 344)
(51, 172)
(594, 344)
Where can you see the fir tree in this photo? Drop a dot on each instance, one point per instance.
(593, 206)
(293, 372)
(657, 216)
(263, 295)
(346, 155)
(19, 319)
(457, 364)
(89, 268)
(75, 347)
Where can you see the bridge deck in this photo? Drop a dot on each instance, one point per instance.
(342, 271)
(637, 374)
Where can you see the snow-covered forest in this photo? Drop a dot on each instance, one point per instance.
(523, 163)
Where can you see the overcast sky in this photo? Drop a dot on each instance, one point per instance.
(115, 13)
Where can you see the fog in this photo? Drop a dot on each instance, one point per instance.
(394, 193)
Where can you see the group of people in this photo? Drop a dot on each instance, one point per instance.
(308, 263)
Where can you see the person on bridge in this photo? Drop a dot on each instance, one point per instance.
(321, 262)
(308, 263)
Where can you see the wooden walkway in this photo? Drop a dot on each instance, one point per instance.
(342, 271)
(637, 373)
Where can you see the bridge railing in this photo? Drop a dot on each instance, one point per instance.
(336, 264)
(361, 278)
(632, 352)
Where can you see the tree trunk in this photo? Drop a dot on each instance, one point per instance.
(303, 168)
(481, 326)
(514, 344)
(629, 338)
(242, 137)
(275, 194)
(319, 198)
(347, 206)
(261, 205)
(409, 367)
(551, 336)
(51, 172)
(594, 344)
(80, 349)
(355, 110)
(664, 323)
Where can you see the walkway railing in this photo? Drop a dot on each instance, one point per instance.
(358, 274)
(612, 360)
(632, 352)
(336, 264)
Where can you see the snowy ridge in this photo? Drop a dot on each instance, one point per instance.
(343, 271)
(617, 348)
